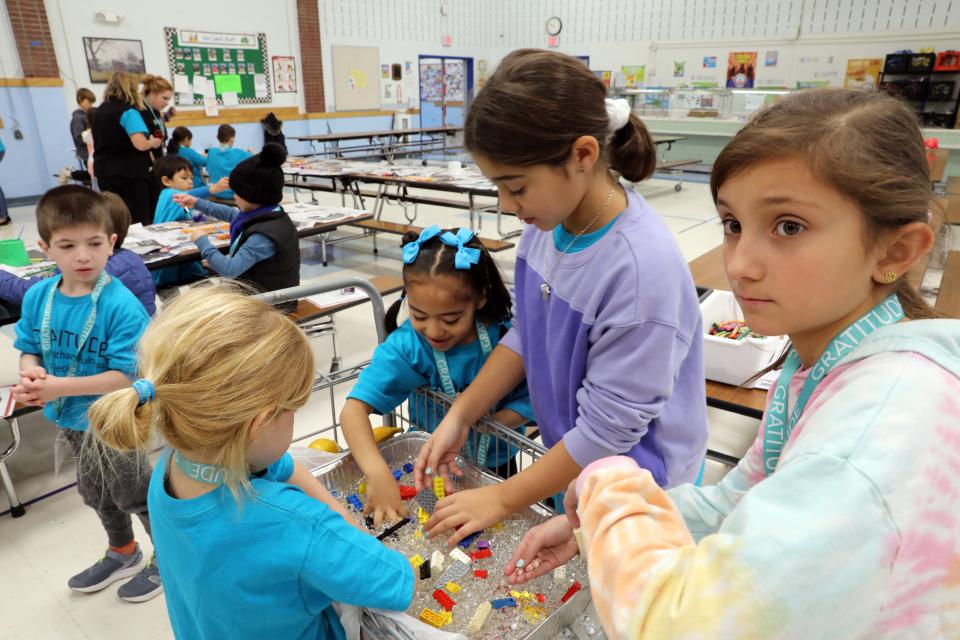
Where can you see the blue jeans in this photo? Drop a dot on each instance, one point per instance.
(3, 199)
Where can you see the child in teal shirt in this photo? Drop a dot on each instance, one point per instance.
(78, 334)
(181, 141)
(222, 160)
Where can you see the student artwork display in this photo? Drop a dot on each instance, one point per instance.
(633, 76)
(709, 62)
(284, 74)
(431, 82)
(741, 70)
(679, 66)
(771, 59)
(206, 65)
(862, 73)
(606, 77)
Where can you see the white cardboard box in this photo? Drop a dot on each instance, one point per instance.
(733, 361)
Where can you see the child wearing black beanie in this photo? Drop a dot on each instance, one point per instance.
(264, 247)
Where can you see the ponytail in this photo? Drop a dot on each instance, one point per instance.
(632, 151)
(120, 423)
(390, 320)
(176, 139)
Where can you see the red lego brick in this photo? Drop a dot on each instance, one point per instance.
(481, 554)
(572, 590)
(480, 573)
(444, 600)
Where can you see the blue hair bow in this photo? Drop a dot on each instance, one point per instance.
(412, 249)
(466, 256)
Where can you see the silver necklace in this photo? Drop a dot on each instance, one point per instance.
(544, 287)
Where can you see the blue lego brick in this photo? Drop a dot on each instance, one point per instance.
(503, 602)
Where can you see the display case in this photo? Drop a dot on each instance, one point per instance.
(682, 102)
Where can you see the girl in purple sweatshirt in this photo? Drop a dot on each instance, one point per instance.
(606, 321)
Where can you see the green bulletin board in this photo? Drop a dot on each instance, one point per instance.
(226, 63)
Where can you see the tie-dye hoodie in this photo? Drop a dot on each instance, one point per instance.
(856, 534)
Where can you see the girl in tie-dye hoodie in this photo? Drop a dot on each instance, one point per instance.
(843, 519)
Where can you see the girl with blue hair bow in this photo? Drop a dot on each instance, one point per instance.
(459, 309)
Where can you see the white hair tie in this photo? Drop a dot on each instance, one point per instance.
(618, 114)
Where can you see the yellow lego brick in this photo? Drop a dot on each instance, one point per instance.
(432, 618)
(418, 534)
(479, 616)
(453, 587)
(439, 489)
(497, 527)
(532, 613)
(362, 488)
(447, 617)
(422, 515)
(416, 561)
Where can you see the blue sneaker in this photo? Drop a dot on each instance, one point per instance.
(144, 586)
(111, 567)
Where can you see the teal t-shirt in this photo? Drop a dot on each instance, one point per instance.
(269, 568)
(132, 122)
(111, 346)
(405, 362)
(197, 162)
(169, 211)
(562, 238)
(221, 161)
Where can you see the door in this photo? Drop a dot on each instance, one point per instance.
(446, 89)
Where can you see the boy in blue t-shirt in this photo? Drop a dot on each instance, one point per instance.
(78, 334)
(222, 160)
(173, 174)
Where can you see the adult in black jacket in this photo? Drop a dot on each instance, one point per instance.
(121, 146)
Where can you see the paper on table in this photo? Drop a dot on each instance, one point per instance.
(230, 99)
(181, 83)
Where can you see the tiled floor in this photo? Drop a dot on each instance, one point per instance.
(58, 536)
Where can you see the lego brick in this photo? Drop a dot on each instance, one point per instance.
(460, 556)
(453, 587)
(439, 488)
(572, 590)
(483, 544)
(397, 474)
(480, 573)
(431, 617)
(479, 617)
(503, 602)
(408, 468)
(436, 561)
(466, 542)
(426, 499)
(443, 600)
(480, 555)
(425, 570)
(406, 492)
(416, 561)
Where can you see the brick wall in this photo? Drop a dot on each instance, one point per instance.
(31, 31)
(311, 57)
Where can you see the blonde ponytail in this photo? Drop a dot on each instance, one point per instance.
(217, 359)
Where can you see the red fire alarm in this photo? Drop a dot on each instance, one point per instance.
(447, 41)
(553, 41)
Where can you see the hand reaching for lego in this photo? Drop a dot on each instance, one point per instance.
(468, 512)
(220, 185)
(185, 200)
(383, 498)
(438, 454)
(544, 548)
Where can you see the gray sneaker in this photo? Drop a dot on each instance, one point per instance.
(111, 567)
(144, 586)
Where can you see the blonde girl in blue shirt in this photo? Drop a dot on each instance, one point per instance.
(257, 547)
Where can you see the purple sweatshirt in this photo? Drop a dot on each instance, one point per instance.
(614, 357)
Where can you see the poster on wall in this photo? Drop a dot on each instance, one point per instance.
(455, 80)
(741, 69)
(679, 66)
(285, 74)
(862, 73)
(106, 55)
(633, 76)
(771, 59)
(385, 72)
(481, 73)
(709, 62)
(606, 77)
(431, 82)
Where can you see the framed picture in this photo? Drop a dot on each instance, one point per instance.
(284, 74)
(107, 55)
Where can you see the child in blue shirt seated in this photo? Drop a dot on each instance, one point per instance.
(222, 160)
(123, 264)
(459, 310)
(181, 144)
(254, 547)
(78, 335)
(173, 174)
(264, 246)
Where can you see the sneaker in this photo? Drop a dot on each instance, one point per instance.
(111, 567)
(144, 586)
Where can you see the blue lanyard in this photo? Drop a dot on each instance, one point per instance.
(776, 429)
(446, 381)
(46, 340)
(201, 472)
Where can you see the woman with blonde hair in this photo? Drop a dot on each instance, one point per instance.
(241, 528)
(122, 146)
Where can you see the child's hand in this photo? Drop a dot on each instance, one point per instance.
(468, 512)
(383, 498)
(43, 389)
(32, 373)
(185, 200)
(570, 502)
(22, 396)
(220, 185)
(544, 548)
(438, 454)
(156, 143)
(196, 233)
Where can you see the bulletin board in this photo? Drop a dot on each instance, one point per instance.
(356, 78)
(211, 64)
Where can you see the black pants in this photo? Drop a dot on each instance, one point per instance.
(135, 193)
(507, 469)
